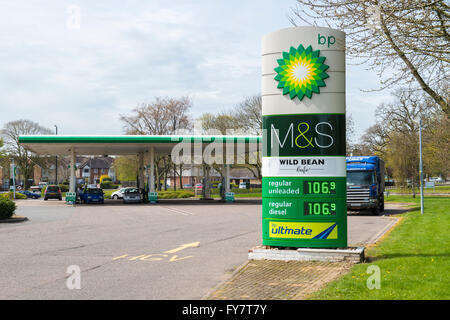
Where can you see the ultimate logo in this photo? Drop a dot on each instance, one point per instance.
(301, 72)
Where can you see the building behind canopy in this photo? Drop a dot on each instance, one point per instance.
(196, 151)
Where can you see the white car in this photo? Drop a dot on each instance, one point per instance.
(243, 185)
(132, 195)
(119, 193)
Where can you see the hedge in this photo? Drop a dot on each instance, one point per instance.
(108, 185)
(7, 208)
(64, 187)
(174, 194)
(10, 195)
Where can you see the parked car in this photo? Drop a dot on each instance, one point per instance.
(36, 189)
(198, 186)
(90, 195)
(53, 192)
(243, 185)
(119, 193)
(29, 194)
(132, 195)
(42, 185)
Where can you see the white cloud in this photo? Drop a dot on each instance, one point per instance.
(126, 52)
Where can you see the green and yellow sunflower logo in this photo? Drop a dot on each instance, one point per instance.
(301, 72)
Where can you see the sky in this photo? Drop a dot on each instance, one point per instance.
(80, 64)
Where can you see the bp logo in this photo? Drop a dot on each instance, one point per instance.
(301, 72)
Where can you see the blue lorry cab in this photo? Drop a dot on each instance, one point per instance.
(365, 183)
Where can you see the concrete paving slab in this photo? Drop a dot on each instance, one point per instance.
(353, 254)
(278, 280)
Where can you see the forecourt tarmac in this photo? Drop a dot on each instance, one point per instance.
(178, 249)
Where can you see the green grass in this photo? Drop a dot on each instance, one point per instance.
(236, 195)
(215, 191)
(108, 193)
(248, 195)
(437, 189)
(170, 194)
(414, 258)
(10, 195)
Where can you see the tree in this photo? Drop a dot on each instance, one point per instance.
(375, 140)
(249, 117)
(402, 157)
(350, 132)
(25, 160)
(244, 118)
(360, 149)
(164, 116)
(2, 154)
(404, 113)
(222, 122)
(248, 114)
(3, 162)
(395, 135)
(407, 41)
(126, 168)
(436, 147)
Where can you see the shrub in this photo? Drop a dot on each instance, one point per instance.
(10, 195)
(175, 194)
(7, 208)
(64, 187)
(43, 191)
(105, 178)
(19, 196)
(108, 185)
(186, 194)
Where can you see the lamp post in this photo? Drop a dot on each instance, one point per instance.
(13, 174)
(421, 167)
(56, 159)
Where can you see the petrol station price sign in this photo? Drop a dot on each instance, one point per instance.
(303, 166)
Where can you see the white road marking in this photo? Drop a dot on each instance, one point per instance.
(185, 213)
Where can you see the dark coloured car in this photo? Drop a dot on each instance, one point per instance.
(29, 194)
(53, 192)
(92, 195)
(132, 195)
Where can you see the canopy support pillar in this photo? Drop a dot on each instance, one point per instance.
(72, 185)
(140, 182)
(152, 170)
(207, 183)
(227, 178)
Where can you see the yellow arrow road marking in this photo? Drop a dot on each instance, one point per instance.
(120, 257)
(152, 257)
(161, 256)
(174, 258)
(138, 257)
(184, 246)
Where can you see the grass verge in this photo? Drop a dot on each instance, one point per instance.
(414, 258)
(437, 190)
